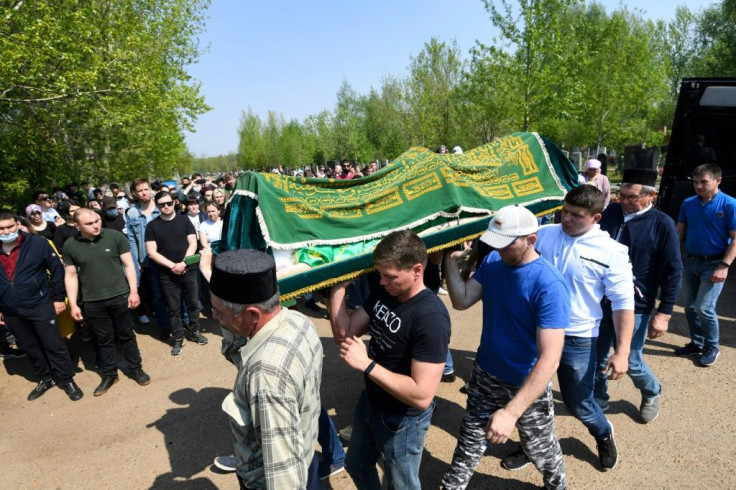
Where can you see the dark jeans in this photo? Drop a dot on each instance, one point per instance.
(332, 451)
(37, 332)
(150, 287)
(110, 319)
(174, 286)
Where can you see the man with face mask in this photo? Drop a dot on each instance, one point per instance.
(30, 299)
(111, 217)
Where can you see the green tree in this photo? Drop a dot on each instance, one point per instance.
(320, 136)
(349, 136)
(717, 40)
(98, 88)
(434, 75)
(620, 76)
(251, 145)
(529, 58)
(386, 119)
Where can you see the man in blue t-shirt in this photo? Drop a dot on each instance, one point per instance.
(526, 308)
(707, 229)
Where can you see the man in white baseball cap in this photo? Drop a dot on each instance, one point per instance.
(509, 223)
(526, 308)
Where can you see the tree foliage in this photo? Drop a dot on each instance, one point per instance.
(97, 89)
(568, 69)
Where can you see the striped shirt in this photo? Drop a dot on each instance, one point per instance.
(275, 405)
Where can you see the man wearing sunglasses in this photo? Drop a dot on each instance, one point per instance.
(651, 237)
(48, 213)
(169, 239)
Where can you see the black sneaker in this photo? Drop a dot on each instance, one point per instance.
(177, 347)
(607, 452)
(689, 350)
(198, 338)
(449, 377)
(140, 377)
(516, 460)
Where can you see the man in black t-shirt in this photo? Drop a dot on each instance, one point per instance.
(410, 332)
(170, 238)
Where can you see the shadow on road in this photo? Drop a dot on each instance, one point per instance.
(194, 433)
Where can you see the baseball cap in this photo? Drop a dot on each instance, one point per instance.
(593, 163)
(509, 223)
(109, 202)
(31, 208)
(457, 150)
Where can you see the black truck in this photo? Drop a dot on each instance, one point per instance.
(704, 131)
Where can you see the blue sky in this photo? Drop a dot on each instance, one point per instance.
(292, 56)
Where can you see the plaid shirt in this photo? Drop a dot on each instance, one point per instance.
(275, 404)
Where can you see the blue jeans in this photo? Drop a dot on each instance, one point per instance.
(576, 376)
(643, 377)
(700, 296)
(332, 451)
(398, 438)
(449, 364)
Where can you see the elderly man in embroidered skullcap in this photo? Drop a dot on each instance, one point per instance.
(275, 404)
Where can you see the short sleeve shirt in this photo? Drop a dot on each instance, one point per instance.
(98, 264)
(415, 329)
(171, 236)
(517, 301)
(708, 225)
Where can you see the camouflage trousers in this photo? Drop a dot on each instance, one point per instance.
(536, 427)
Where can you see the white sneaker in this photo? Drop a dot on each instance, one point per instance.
(226, 463)
(143, 320)
(442, 291)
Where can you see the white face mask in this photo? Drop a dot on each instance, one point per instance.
(9, 237)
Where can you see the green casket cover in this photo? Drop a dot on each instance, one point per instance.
(333, 224)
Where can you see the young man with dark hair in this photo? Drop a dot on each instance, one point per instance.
(402, 367)
(593, 265)
(99, 259)
(139, 215)
(169, 239)
(31, 297)
(707, 230)
(48, 213)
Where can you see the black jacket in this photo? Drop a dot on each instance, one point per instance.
(31, 285)
(654, 249)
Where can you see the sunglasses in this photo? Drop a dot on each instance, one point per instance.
(44, 198)
(35, 212)
(165, 204)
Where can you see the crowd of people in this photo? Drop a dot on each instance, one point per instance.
(577, 299)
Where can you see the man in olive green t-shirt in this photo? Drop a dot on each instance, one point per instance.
(100, 260)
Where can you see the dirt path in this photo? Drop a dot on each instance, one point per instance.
(165, 435)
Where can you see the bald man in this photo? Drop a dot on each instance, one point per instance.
(93, 258)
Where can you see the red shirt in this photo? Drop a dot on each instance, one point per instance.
(10, 260)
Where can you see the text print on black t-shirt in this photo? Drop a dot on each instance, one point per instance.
(384, 322)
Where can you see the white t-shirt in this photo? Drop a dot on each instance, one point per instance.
(211, 229)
